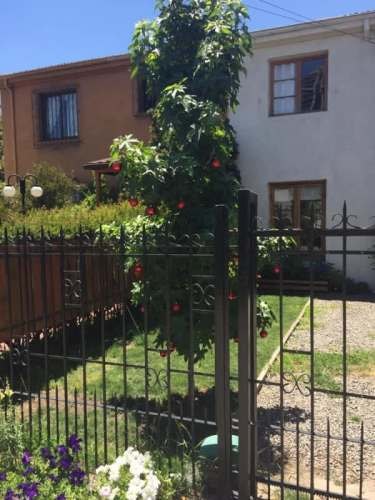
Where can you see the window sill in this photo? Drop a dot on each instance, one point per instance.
(272, 115)
(60, 142)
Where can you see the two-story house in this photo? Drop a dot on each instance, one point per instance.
(306, 125)
(68, 115)
(305, 122)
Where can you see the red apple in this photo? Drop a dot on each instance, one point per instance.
(263, 334)
(181, 205)
(150, 210)
(133, 202)
(216, 163)
(232, 296)
(176, 308)
(163, 353)
(138, 270)
(116, 167)
(277, 269)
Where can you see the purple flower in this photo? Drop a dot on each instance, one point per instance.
(46, 453)
(54, 478)
(53, 463)
(29, 490)
(65, 462)
(76, 477)
(10, 495)
(26, 457)
(61, 497)
(28, 470)
(74, 443)
(62, 450)
(3, 476)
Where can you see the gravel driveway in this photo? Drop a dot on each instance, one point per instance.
(299, 405)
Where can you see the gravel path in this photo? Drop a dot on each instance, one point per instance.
(299, 406)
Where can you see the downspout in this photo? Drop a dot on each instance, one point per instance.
(9, 89)
(367, 29)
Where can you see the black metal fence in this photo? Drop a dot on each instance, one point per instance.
(142, 342)
(306, 430)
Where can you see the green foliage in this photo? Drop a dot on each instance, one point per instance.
(71, 219)
(58, 188)
(191, 58)
(12, 437)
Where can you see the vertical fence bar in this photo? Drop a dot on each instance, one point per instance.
(344, 350)
(247, 345)
(223, 417)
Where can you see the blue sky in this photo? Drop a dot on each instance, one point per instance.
(36, 33)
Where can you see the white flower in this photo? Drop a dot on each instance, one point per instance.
(105, 491)
(114, 472)
(102, 469)
(114, 493)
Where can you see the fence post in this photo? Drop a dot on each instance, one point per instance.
(247, 331)
(223, 417)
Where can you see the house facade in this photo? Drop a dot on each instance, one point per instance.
(68, 115)
(306, 125)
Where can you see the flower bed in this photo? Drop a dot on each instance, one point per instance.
(56, 473)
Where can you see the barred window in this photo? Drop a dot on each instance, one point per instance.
(299, 85)
(59, 120)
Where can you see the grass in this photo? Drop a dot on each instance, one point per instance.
(328, 366)
(109, 424)
(135, 359)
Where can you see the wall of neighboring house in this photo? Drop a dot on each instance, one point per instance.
(337, 145)
(106, 104)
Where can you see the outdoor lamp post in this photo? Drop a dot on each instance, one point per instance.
(9, 190)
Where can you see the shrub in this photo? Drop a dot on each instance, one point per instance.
(133, 476)
(50, 473)
(55, 473)
(70, 219)
(12, 437)
(58, 188)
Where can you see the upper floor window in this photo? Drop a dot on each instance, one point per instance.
(145, 102)
(299, 85)
(59, 117)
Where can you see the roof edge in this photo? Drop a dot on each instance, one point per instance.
(332, 24)
(55, 70)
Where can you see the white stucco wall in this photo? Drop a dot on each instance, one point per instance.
(337, 145)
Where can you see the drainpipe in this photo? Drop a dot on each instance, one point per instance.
(9, 89)
(367, 29)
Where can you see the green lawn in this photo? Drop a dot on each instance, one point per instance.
(328, 366)
(110, 424)
(135, 353)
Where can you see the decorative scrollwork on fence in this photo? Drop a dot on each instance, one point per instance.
(157, 378)
(19, 355)
(72, 289)
(301, 382)
(203, 295)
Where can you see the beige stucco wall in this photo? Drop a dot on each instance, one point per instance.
(106, 109)
(337, 145)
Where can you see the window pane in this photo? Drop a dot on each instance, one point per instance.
(59, 116)
(284, 203)
(284, 105)
(285, 88)
(311, 212)
(313, 85)
(69, 115)
(284, 71)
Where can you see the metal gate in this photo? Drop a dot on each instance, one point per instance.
(305, 430)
